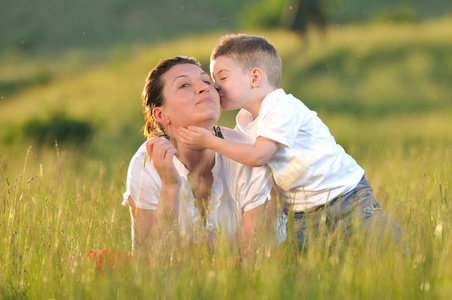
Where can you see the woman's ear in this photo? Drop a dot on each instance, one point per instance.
(160, 116)
(256, 77)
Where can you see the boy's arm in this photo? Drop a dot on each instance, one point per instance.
(251, 155)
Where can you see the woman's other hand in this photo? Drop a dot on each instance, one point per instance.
(161, 153)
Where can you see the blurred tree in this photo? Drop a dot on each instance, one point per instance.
(302, 13)
(296, 15)
(262, 14)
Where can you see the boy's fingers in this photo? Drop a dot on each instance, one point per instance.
(190, 129)
(183, 130)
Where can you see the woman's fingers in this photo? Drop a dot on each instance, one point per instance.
(161, 153)
(170, 153)
(157, 148)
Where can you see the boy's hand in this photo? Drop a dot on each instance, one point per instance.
(196, 138)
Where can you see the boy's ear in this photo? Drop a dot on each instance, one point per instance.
(256, 77)
(160, 116)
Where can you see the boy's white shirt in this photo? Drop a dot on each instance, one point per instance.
(236, 188)
(309, 168)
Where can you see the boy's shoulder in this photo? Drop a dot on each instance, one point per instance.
(281, 99)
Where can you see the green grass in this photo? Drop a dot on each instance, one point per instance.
(384, 92)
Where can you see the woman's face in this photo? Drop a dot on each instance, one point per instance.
(189, 98)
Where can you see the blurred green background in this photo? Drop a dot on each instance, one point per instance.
(73, 71)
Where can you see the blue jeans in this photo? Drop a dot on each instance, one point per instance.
(356, 209)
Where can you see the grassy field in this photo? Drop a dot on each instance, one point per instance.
(383, 90)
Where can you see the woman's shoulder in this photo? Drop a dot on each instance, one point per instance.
(141, 152)
(141, 167)
(140, 160)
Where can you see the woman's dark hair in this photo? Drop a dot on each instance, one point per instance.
(152, 95)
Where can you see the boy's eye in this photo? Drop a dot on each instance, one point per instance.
(223, 78)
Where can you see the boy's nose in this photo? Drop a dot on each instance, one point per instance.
(217, 87)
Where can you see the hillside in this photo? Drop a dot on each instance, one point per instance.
(362, 72)
(53, 26)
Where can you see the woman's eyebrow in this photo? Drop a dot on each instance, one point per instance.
(184, 76)
(180, 76)
(177, 77)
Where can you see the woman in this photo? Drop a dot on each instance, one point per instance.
(168, 183)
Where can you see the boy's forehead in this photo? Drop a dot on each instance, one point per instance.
(222, 63)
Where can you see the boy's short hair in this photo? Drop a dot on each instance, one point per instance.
(251, 52)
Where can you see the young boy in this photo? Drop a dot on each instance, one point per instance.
(313, 175)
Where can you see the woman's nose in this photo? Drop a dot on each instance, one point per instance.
(203, 87)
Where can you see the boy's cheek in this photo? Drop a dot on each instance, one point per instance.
(223, 103)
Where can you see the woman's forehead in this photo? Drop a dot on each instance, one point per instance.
(183, 70)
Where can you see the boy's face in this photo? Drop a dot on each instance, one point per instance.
(232, 83)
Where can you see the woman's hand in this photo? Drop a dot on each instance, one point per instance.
(196, 138)
(161, 153)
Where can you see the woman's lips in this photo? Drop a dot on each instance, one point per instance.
(205, 100)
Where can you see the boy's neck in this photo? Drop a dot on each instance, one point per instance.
(254, 105)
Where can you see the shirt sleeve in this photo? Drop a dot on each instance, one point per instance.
(143, 183)
(253, 186)
(280, 120)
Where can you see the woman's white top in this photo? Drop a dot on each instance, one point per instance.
(236, 188)
(309, 168)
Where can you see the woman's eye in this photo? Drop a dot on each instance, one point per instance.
(184, 85)
(207, 82)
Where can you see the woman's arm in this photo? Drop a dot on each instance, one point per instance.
(161, 222)
(259, 227)
(143, 220)
(161, 153)
(251, 155)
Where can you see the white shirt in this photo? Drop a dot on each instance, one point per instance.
(236, 188)
(309, 168)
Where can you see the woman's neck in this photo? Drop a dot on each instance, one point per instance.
(197, 162)
(200, 177)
